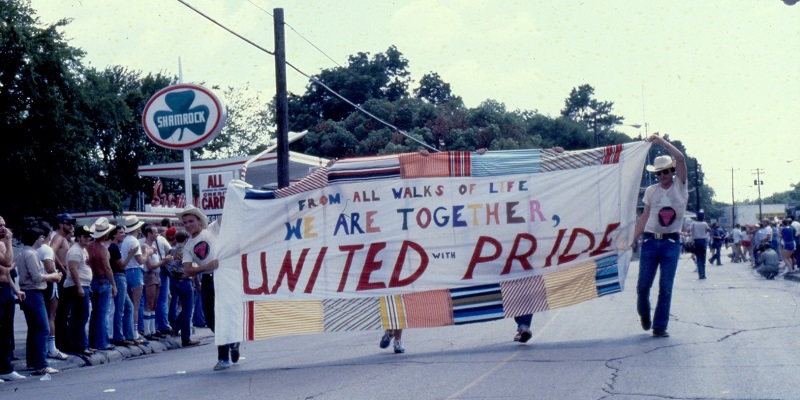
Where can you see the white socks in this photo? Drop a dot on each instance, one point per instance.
(149, 322)
(51, 345)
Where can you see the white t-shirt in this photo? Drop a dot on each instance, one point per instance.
(700, 230)
(129, 243)
(78, 254)
(666, 207)
(45, 252)
(737, 235)
(198, 249)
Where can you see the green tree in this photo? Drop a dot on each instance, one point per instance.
(594, 114)
(249, 127)
(47, 151)
(434, 90)
(384, 76)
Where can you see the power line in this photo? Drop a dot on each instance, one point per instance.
(298, 33)
(315, 80)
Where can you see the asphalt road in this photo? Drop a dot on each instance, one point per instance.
(733, 336)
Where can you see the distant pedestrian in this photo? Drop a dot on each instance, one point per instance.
(700, 231)
(717, 236)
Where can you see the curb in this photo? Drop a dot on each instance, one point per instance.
(118, 354)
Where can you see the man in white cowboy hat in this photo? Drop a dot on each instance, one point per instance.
(103, 286)
(660, 225)
(134, 270)
(198, 250)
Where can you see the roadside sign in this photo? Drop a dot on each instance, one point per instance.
(183, 116)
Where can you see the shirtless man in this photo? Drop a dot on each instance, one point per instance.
(60, 244)
(103, 286)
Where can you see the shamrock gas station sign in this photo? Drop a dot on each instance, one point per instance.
(183, 116)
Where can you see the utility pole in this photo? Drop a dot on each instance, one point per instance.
(733, 201)
(281, 99)
(696, 186)
(758, 182)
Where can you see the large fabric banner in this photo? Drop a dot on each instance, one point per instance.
(413, 241)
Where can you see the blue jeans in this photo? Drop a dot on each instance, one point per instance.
(101, 301)
(38, 329)
(700, 256)
(183, 293)
(6, 327)
(717, 246)
(523, 321)
(123, 311)
(162, 305)
(78, 318)
(198, 318)
(657, 253)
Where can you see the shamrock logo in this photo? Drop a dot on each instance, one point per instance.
(181, 117)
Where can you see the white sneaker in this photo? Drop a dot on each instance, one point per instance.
(222, 365)
(398, 348)
(12, 376)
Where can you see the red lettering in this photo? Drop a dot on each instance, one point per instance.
(262, 289)
(371, 265)
(314, 273)
(522, 258)
(476, 255)
(287, 271)
(549, 258)
(605, 243)
(401, 259)
(351, 250)
(565, 257)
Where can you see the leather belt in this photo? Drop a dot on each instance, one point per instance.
(661, 236)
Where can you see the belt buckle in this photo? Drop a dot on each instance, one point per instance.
(658, 236)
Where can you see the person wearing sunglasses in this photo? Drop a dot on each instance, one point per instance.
(660, 225)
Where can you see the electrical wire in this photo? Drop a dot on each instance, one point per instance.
(313, 79)
(298, 33)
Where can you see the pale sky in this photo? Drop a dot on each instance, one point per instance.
(721, 76)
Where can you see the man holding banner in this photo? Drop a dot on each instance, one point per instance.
(660, 225)
(198, 250)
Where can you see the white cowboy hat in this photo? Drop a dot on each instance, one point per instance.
(192, 210)
(661, 163)
(101, 227)
(132, 223)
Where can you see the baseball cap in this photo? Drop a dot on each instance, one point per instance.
(170, 233)
(65, 219)
(82, 230)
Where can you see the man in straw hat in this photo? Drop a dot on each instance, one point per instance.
(198, 250)
(660, 225)
(103, 286)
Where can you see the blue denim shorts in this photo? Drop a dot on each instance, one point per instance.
(135, 277)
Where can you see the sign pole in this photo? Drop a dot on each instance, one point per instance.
(187, 176)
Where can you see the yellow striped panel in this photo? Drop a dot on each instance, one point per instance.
(283, 318)
(571, 286)
(393, 314)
